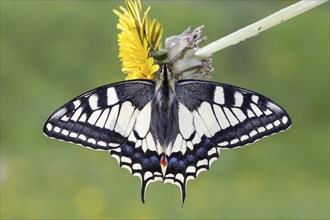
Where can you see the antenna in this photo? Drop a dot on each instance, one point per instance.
(177, 55)
(151, 48)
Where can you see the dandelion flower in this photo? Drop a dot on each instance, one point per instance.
(138, 34)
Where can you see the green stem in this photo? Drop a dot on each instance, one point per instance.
(259, 26)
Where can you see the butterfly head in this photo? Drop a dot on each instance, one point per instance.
(165, 73)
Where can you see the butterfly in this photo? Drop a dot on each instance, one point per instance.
(166, 129)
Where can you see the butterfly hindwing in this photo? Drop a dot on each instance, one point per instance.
(213, 116)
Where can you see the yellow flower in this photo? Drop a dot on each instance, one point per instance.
(137, 32)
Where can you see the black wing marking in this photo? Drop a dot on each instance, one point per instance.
(221, 116)
(112, 117)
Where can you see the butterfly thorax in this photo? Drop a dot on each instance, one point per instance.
(164, 104)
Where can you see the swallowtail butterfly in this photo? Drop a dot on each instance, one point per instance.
(166, 129)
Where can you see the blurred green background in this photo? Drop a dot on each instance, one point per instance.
(52, 51)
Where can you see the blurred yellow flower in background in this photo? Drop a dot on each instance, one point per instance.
(137, 32)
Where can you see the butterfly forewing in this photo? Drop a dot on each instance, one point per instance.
(101, 118)
(231, 116)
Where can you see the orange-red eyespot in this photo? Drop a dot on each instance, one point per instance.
(163, 160)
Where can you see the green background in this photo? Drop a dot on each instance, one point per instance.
(52, 51)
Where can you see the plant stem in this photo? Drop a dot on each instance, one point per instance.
(259, 26)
